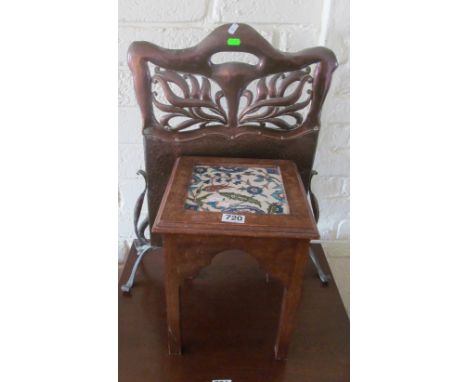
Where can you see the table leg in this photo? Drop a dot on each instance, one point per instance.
(291, 298)
(172, 299)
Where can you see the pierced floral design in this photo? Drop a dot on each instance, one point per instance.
(255, 190)
(196, 105)
(272, 103)
(188, 102)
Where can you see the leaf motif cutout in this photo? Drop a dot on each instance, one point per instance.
(195, 97)
(271, 104)
(190, 97)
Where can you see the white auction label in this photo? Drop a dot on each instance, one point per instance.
(222, 380)
(231, 218)
(232, 29)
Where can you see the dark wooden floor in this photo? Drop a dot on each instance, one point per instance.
(229, 320)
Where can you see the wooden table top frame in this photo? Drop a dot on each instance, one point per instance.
(192, 239)
(174, 218)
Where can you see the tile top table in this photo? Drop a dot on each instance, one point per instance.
(215, 204)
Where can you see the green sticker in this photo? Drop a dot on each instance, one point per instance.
(233, 41)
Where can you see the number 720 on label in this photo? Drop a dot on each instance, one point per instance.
(231, 218)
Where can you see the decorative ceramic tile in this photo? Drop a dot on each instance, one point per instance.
(257, 190)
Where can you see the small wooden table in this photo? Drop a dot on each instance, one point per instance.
(215, 204)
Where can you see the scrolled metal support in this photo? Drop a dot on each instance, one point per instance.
(324, 277)
(312, 199)
(140, 230)
(141, 251)
(141, 243)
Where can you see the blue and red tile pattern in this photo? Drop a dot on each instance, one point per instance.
(237, 189)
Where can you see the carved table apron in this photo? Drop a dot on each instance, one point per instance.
(284, 259)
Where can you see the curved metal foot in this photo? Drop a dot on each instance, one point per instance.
(142, 244)
(324, 278)
(141, 251)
